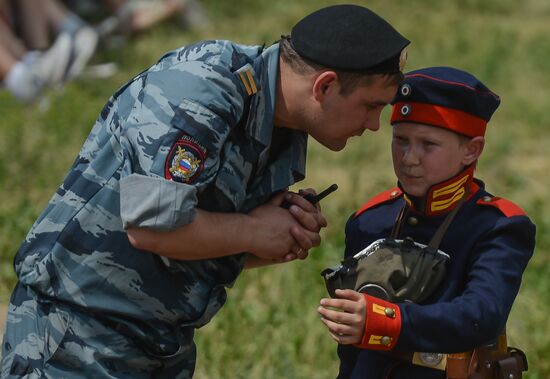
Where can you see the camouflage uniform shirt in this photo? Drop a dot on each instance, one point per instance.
(193, 131)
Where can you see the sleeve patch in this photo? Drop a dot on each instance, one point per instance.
(185, 161)
(508, 208)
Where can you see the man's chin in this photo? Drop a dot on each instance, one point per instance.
(335, 145)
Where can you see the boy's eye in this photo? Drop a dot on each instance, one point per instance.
(400, 140)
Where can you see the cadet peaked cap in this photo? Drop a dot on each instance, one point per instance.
(349, 37)
(445, 97)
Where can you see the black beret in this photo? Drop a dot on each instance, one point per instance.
(349, 37)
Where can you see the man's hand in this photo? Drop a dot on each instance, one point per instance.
(345, 316)
(310, 218)
(281, 234)
(269, 232)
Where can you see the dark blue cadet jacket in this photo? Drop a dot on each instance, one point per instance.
(489, 242)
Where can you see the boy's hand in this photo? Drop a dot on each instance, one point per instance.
(346, 323)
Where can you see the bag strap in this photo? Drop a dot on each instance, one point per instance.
(398, 222)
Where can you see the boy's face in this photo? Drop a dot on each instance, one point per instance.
(426, 155)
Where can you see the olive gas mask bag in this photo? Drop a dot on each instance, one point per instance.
(396, 270)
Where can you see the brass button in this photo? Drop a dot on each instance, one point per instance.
(394, 193)
(412, 221)
(487, 198)
(390, 312)
(386, 341)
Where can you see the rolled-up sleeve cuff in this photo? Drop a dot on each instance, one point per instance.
(157, 203)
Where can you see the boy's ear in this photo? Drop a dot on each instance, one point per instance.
(324, 83)
(474, 148)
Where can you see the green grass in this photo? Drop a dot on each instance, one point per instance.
(269, 328)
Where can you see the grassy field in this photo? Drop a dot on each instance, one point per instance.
(270, 328)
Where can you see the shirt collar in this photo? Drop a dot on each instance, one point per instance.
(262, 111)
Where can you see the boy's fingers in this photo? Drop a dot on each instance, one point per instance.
(345, 305)
(349, 294)
(342, 334)
(337, 316)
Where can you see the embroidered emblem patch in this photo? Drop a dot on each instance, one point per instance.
(185, 161)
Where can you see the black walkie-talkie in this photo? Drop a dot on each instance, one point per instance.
(313, 199)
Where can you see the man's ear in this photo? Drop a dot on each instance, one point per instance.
(474, 148)
(324, 83)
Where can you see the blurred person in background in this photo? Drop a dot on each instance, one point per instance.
(27, 73)
(128, 17)
(40, 21)
(29, 63)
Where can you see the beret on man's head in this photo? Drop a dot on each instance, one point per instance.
(349, 37)
(447, 98)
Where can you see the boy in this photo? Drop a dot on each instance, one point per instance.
(439, 118)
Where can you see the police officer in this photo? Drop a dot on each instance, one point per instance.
(439, 119)
(183, 172)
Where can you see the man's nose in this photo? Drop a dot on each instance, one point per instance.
(373, 123)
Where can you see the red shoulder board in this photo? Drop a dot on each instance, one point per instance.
(379, 199)
(508, 208)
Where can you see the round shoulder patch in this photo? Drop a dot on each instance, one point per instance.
(185, 160)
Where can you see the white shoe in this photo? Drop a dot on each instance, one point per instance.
(55, 61)
(30, 77)
(84, 43)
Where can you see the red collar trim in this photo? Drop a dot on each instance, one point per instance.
(443, 197)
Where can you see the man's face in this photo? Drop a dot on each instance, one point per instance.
(425, 155)
(345, 116)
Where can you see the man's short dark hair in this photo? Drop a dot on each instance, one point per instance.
(349, 80)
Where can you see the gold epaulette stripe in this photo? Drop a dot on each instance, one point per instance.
(247, 77)
(252, 82)
(245, 82)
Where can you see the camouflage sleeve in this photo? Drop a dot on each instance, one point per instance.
(172, 145)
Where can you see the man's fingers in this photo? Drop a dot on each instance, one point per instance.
(304, 238)
(278, 198)
(300, 201)
(312, 221)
